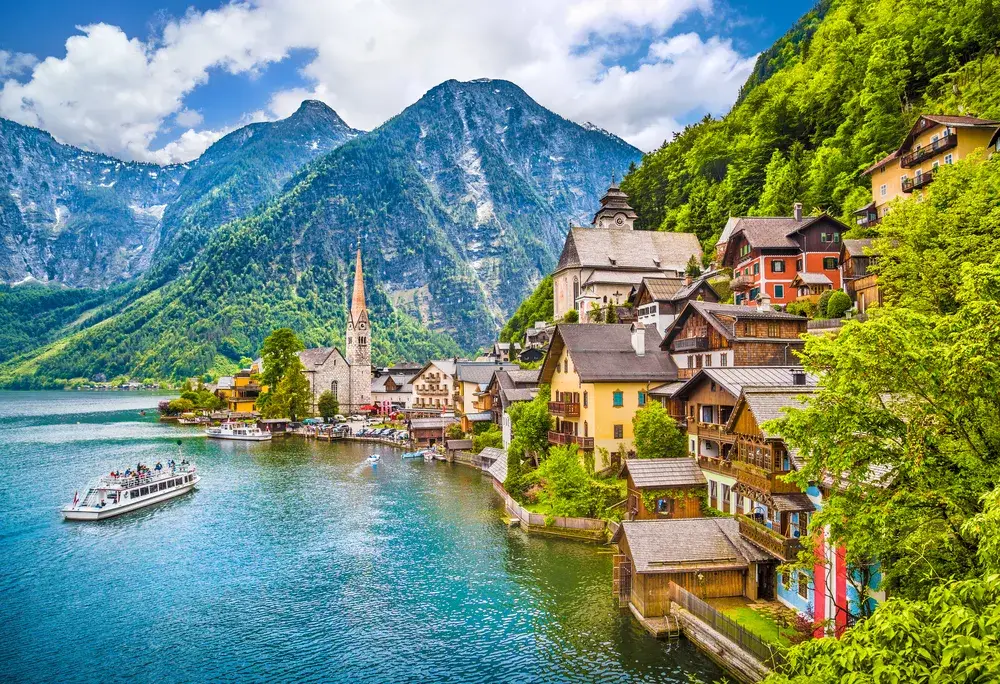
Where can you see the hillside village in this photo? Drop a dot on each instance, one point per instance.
(640, 336)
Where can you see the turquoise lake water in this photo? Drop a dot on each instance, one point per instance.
(293, 560)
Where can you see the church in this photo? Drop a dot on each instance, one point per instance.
(604, 262)
(348, 376)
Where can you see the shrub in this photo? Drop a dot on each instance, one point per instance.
(490, 437)
(803, 308)
(571, 316)
(657, 435)
(454, 431)
(181, 405)
(839, 304)
(823, 301)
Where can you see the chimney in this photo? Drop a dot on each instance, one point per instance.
(764, 302)
(797, 210)
(639, 339)
(688, 279)
(798, 377)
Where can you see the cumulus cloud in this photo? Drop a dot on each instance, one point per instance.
(372, 58)
(13, 64)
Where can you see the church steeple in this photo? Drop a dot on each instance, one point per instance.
(358, 302)
(615, 212)
(358, 328)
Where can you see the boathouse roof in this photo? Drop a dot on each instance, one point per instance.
(499, 468)
(664, 472)
(687, 544)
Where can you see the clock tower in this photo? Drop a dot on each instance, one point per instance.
(358, 337)
(615, 212)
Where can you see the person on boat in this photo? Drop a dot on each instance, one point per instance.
(159, 466)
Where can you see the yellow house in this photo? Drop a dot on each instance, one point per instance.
(934, 140)
(471, 381)
(240, 391)
(600, 375)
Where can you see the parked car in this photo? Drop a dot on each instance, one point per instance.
(357, 416)
(339, 418)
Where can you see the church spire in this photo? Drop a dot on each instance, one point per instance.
(358, 302)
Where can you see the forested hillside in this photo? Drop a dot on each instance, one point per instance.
(836, 93)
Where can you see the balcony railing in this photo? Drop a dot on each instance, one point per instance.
(945, 142)
(562, 438)
(774, 543)
(715, 431)
(763, 481)
(717, 465)
(564, 409)
(919, 181)
(741, 283)
(687, 344)
(869, 220)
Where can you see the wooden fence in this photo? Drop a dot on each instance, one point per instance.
(589, 527)
(771, 655)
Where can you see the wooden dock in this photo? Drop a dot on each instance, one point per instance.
(662, 627)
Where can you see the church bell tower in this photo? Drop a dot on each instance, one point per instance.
(358, 337)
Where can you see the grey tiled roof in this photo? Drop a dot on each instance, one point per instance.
(734, 379)
(769, 403)
(603, 352)
(683, 545)
(614, 277)
(524, 377)
(647, 250)
(499, 468)
(807, 278)
(857, 247)
(717, 316)
(769, 231)
(792, 502)
(663, 289)
(433, 422)
(492, 454)
(480, 372)
(664, 472)
(315, 357)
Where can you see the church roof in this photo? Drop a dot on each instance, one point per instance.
(317, 356)
(624, 250)
(615, 201)
(358, 301)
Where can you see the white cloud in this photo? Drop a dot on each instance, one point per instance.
(13, 64)
(374, 57)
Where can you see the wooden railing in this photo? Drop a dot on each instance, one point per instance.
(715, 431)
(945, 142)
(763, 481)
(771, 655)
(767, 539)
(690, 344)
(911, 184)
(741, 283)
(562, 438)
(717, 465)
(565, 409)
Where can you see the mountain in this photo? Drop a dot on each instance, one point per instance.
(461, 202)
(85, 219)
(836, 93)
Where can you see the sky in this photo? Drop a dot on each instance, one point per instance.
(161, 81)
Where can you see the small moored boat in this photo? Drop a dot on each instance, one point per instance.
(412, 454)
(114, 494)
(238, 431)
(374, 458)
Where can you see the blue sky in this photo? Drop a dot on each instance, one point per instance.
(161, 80)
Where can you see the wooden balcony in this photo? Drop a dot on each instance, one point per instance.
(763, 481)
(911, 184)
(774, 543)
(943, 143)
(717, 465)
(562, 438)
(741, 283)
(689, 344)
(715, 431)
(564, 409)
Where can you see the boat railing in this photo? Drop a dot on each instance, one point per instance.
(146, 478)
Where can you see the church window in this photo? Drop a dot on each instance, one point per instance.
(333, 387)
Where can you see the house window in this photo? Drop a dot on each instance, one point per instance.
(836, 237)
(903, 179)
(665, 506)
(586, 429)
(798, 264)
(778, 266)
(690, 361)
(619, 432)
(822, 237)
(753, 293)
(642, 398)
(756, 268)
(803, 585)
(949, 159)
(566, 366)
(934, 164)
(779, 291)
(830, 263)
(333, 387)
(619, 399)
(882, 190)
(584, 400)
(772, 330)
(723, 359)
(708, 360)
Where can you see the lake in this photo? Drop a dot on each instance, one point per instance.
(294, 560)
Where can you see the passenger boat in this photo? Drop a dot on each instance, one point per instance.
(112, 495)
(238, 431)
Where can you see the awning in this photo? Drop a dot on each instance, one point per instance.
(792, 503)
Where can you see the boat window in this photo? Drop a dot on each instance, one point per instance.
(144, 491)
(163, 485)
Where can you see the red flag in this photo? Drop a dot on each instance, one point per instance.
(76, 498)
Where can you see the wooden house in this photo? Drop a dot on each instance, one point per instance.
(428, 432)
(856, 258)
(664, 488)
(809, 287)
(707, 335)
(706, 556)
(658, 301)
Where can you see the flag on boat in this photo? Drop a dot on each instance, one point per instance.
(76, 498)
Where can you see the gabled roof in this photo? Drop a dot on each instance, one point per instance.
(769, 403)
(492, 454)
(734, 379)
(806, 278)
(604, 353)
(772, 232)
(687, 544)
(923, 123)
(431, 423)
(480, 372)
(515, 385)
(635, 250)
(856, 248)
(671, 289)
(313, 358)
(664, 472)
(446, 366)
(499, 468)
(716, 314)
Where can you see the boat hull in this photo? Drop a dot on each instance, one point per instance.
(105, 513)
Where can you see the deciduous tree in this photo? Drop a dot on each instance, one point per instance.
(657, 435)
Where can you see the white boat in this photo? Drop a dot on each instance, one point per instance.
(238, 431)
(112, 495)
(374, 458)
(428, 455)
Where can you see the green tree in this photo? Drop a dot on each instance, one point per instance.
(279, 353)
(530, 425)
(824, 300)
(327, 405)
(491, 437)
(292, 398)
(571, 316)
(838, 304)
(454, 431)
(565, 483)
(611, 313)
(657, 435)
(181, 406)
(693, 267)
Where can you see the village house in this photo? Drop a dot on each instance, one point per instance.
(506, 388)
(855, 259)
(933, 140)
(658, 301)
(663, 488)
(434, 386)
(538, 335)
(429, 432)
(766, 253)
(392, 388)
(602, 263)
(505, 351)
(472, 401)
(706, 556)
(707, 335)
(239, 391)
(599, 377)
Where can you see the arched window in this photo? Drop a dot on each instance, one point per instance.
(576, 290)
(333, 387)
(605, 299)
